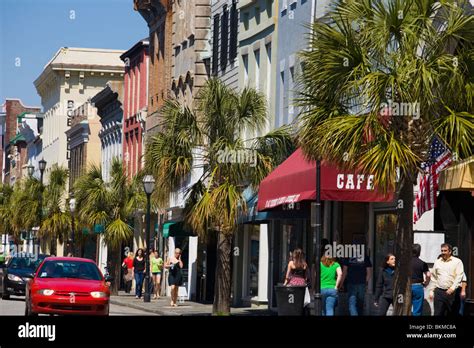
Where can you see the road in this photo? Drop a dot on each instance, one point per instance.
(16, 306)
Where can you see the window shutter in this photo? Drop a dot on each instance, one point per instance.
(234, 28)
(224, 36)
(215, 45)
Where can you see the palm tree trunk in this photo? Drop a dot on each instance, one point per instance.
(222, 283)
(403, 247)
(114, 269)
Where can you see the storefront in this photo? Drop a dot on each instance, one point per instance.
(454, 214)
(353, 210)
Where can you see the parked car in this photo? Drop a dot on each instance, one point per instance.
(16, 272)
(68, 285)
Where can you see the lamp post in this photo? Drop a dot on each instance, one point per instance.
(148, 186)
(42, 167)
(31, 171)
(316, 223)
(72, 208)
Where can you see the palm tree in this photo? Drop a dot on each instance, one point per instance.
(57, 220)
(366, 59)
(6, 213)
(110, 204)
(200, 140)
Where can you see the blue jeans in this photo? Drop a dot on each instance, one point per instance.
(356, 298)
(139, 276)
(329, 298)
(417, 297)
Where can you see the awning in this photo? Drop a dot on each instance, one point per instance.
(459, 177)
(175, 229)
(295, 180)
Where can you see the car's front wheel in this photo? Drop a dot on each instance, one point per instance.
(5, 294)
(28, 311)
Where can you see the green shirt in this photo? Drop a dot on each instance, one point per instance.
(156, 265)
(329, 276)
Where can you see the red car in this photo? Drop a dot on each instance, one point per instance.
(67, 285)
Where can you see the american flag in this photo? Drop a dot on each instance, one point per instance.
(439, 158)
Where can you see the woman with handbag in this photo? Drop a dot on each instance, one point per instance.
(127, 266)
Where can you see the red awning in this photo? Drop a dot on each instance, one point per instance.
(295, 180)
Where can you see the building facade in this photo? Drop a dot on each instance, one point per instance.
(158, 15)
(109, 104)
(83, 141)
(68, 80)
(135, 103)
(10, 110)
(191, 48)
(224, 37)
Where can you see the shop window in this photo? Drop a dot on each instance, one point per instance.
(291, 240)
(253, 260)
(385, 233)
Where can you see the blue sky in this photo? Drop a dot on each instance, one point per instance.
(33, 30)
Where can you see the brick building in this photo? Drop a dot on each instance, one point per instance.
(9, 154)
(158, 15)
(135, 103)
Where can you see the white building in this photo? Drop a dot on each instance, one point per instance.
(69, 79)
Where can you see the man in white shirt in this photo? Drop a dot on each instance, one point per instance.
(446, 277)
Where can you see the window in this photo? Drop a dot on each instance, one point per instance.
(291, 84)
(269, 8)
(257, 69)
(215, 45)
(224, 37)
(245, 61)
(281, 96)
(246, 20)
(257, 15)
(268, 48)
(234, 27)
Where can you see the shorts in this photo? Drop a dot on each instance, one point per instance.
(156, 273)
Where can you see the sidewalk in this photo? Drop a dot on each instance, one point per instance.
(162, 306)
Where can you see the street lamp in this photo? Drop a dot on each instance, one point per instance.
(148, 186)
(72, 208)
(31, 170)
(42, 167)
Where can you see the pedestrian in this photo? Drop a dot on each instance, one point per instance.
(156, 270)
(383, 297)
(139, 272)
(127, 266)
(175, 277)
(297, 270)
(331, 280)
(446, 276)
(420, 278)
(357, 271)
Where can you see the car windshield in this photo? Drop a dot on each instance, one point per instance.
(70, 269)
(29, 263)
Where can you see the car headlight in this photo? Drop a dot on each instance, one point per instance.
(98, 294)
(14, 278)
(46, 292)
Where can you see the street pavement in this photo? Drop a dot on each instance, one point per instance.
(16, 306)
